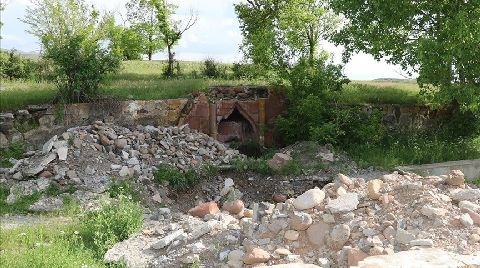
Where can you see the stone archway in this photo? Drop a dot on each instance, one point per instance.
(237, 126)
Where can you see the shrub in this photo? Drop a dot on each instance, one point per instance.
(254, 165)
(112, 223)
(210, 68)
(15, 66)
(176, 178)
(77, 47)
(246, 71)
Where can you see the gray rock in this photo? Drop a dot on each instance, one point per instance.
(339, 235)
(167, 239)
(404, 237)
(345, 203)
(47, 204)
(62, 153)
(422, 243)
(465, 194)
(47, 147)
(32, 171)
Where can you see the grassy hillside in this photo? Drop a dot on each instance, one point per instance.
(142, 80)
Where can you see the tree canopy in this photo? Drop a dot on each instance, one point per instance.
(279, 32)
(438, 39)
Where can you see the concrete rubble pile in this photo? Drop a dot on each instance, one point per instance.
(397, 220)
(88, 157)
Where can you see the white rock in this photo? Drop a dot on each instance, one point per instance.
(235, 258)
(345, 180)
(465, 194)
(468, 205)
(309, 199)
(167, 239)
(433, 212)
(62, 153)
(291, 235)
(47, 147)
(124, 171)
(339, 235)
(466, 220)
(422, 243)
(424, 258)
(403, 236)
(198, 247)
(324, 262)
(345, 203)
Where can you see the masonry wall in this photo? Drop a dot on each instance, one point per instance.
(36, 124)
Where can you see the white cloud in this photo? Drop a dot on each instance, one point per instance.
(216, 34)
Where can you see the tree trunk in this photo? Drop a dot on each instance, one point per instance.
(170, 61)
(150, 55)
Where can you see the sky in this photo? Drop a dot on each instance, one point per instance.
(216, 34)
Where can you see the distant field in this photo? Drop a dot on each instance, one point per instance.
(142, 80)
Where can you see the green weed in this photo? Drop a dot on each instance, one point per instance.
(124, 188)
(113, 222)
(176, 178)
(20, 206)
(14, 151)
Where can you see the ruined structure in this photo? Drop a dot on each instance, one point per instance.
(225, 113)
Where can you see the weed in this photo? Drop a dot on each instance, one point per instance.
(254, 165)
(45, 246)
(25, 126)
(124, 188)
(112, 223)
(20, 206)
(14, 151)
(177, 179)
(210, 170)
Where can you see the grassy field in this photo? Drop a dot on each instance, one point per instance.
(142, 80)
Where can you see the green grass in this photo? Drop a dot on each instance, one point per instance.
(139, 80)
(20, 206)
(54, 246)
(143, 80)
(413, 151)
(379, 92)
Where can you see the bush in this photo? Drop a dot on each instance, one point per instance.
(76, 47)
(126, 188)
(112, 223)
(15, 66)
(176, 178)
(246, 71)
(210, 68)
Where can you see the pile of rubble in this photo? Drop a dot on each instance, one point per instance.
(89, 156)
(397, 220)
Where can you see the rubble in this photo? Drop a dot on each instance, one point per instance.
(421, 220)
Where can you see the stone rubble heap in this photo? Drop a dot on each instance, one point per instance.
(391, 221)
(89, 156)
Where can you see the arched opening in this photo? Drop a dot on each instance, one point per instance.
(235, 128)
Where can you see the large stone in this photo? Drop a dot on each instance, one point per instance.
(204, 209)
(403, 236)
(340, 235)
(355, 255)
(433, 212)
(47, 204)
(235, 258)
(466, 220)
(345, 203)
(165, 241)
(255, 256)
(374, 187)
(465, 194)
(279, 160)
(309, 199)
(62, 153)
(300, 221)
(291, 235)
(425, 258)
(294, 265)
(467, 205)
(455, 178)
(234, 207)
(35, 169)
(121, 143)
(345, 180)
(317, 234)
(47, 147)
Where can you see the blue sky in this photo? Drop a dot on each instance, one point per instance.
(216, 35)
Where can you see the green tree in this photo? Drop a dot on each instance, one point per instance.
(279, 32)
(142, 14)
(76, 46)
(126, 41)
(172, 30)
(439, 40)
